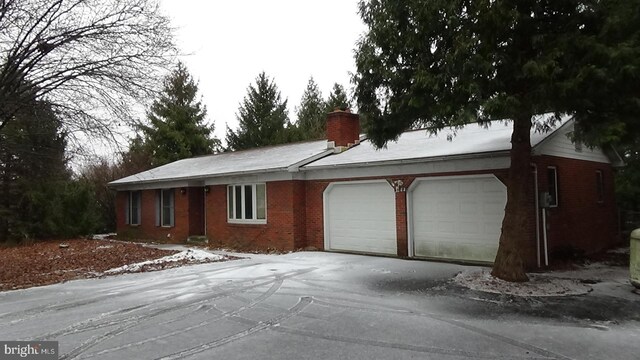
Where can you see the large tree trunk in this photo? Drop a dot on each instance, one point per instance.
(509, 263)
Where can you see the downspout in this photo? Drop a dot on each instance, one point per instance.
(535, 184)
(544, 225)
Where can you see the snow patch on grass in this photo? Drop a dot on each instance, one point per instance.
(188, 256)
(103, 236)
(538, 285)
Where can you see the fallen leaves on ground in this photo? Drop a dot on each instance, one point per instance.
(50, 262)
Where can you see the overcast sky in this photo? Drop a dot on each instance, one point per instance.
(228, 43)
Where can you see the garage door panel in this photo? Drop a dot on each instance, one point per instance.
(493, 186)
(464, 224)
(469, 208)
(360, 217)
(466, 187)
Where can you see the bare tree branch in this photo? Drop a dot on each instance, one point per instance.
(92, 60)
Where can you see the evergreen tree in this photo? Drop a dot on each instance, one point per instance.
(262, 117)
(337, 99)
(450, 62)
(177, 127)
(311, 113)
(38, 197)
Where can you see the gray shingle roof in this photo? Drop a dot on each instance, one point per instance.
(419, 144)
(272, 158)
(411, 145)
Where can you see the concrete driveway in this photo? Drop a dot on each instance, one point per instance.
(314, 305)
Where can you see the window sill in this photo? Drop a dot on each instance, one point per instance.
(247, 222)
(133, 225)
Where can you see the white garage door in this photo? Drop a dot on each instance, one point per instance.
(360, 217)
(457, 217)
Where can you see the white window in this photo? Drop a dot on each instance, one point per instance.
(247, 203)
(133, 208)
(165, 208)
(552, 183)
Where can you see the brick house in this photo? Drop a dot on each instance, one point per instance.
(424, 196)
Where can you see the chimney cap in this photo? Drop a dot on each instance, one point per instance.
(342, 109)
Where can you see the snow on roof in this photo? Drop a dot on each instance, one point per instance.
(420, 144)
(270, 158)
(412, 145)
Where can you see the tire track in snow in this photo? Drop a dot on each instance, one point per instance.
(400, 346)
(95, 323)
(132, 322)
(529, 347)
(299, 307)
(137, 320)
(272, 290)
(130, 290)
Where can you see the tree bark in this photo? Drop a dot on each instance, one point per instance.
(509, 263)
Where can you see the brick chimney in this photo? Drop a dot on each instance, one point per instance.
(343, 128)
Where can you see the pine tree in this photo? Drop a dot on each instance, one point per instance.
(177, 128)
(262, 117)
(447, 63)
(311, 113)
(38, 196)
(337, 99)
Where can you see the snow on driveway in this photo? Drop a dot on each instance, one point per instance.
(305, 305)
(190, 255)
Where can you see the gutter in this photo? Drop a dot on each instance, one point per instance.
(195, 177)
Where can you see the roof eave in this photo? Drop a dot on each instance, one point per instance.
(192, 178)
(499, 153)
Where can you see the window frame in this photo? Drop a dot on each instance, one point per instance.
(232, 204)
(138, 208)
(599, 187)
(553, 194)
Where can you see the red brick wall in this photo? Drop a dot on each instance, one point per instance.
(314, 212)
(343, 127)
(579, 221)
(285, 219)
(402, 224)
(300, 214)
(147, 230)
(295, 212)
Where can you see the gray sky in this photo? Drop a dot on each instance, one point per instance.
(231, 42)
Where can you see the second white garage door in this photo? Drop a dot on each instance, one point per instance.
(458, 218)
(360, 217)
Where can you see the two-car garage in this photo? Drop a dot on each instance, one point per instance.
(455, 218)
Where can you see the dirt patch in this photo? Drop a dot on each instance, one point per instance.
(52, 262)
